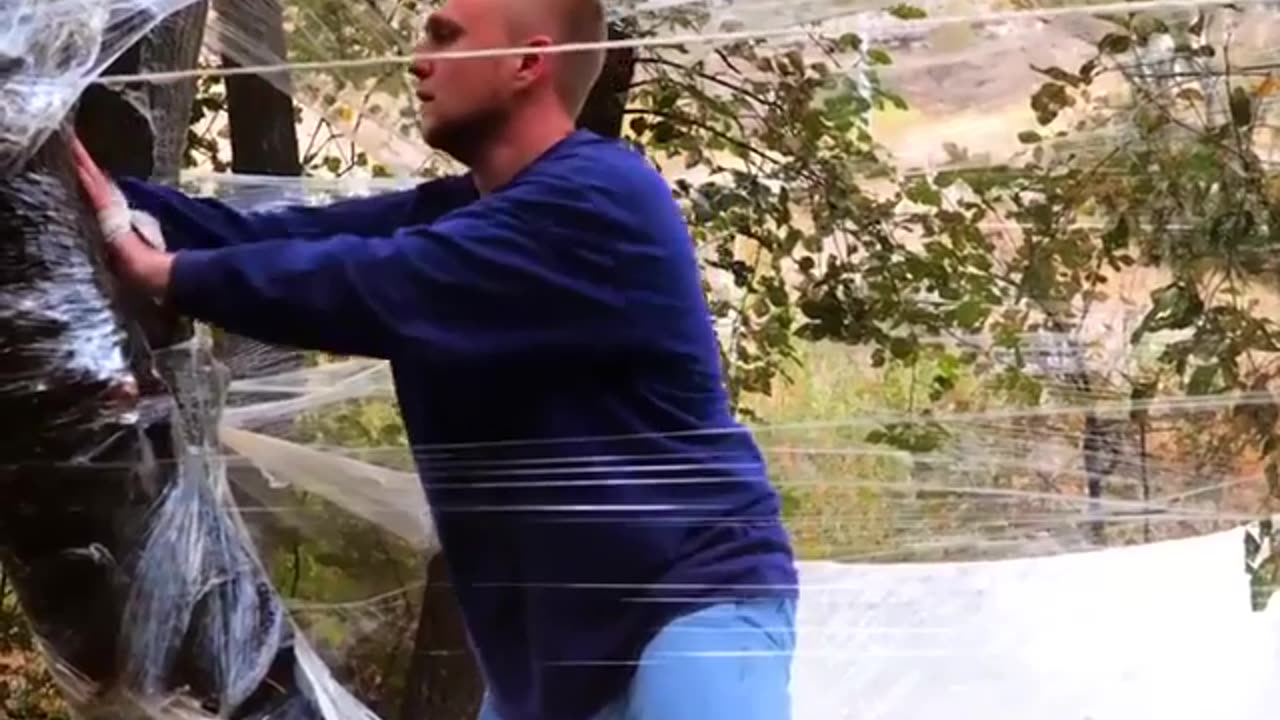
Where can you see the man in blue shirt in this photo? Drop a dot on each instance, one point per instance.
(615, 545)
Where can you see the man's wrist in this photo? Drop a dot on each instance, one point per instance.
(159, 278)
(144, 267)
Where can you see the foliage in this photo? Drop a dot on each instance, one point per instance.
(771, 150)
(27, 690)
(1190, 192)
(821, 238)
(347, 106)
(327, 565)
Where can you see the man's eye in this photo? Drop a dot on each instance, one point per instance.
(442, 34)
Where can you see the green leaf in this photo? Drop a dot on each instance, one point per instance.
(1117, 236)
(970, 314)
(850, 42)
(1029, 137)
(1088, 69)
(1060, 75)
(1202, 381)
(902, 348)
(923, 193)
(907, 12)
(876, 56)
(1174, 307)
(1049, 100)
(1115, 43)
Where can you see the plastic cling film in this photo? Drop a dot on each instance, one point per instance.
(118, 533)
(50, 50)
(63, 366)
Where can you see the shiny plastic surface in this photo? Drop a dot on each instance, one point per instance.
(117, 529)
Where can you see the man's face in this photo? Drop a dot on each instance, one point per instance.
(465, 101)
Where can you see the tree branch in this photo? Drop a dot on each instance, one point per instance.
(703, 75)
(691, 122)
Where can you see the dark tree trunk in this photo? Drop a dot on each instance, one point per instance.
(264, 141)
(604, 109)
(140, 129)
(444, 682)
(264, 135)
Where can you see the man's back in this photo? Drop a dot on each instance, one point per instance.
(600, 486)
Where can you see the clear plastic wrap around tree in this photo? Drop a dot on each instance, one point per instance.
(117, 530)
(50, 50)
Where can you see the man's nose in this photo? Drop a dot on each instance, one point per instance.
(422, 67)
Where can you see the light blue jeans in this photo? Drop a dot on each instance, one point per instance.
(726, 662)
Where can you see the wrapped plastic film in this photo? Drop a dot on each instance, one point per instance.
(117, 530)
(50, 50)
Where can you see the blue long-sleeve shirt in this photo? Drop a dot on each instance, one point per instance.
(559, 378)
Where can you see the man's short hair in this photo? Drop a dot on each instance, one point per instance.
(582, 21)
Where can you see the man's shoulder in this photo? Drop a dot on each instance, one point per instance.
(609, 169)
(438, 196)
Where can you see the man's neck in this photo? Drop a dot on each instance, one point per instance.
(523, 142)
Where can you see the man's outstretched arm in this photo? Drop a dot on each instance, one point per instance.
(204, 223)
(484, 284)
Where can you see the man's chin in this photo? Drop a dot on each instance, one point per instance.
(435, 136)
(457, 139)
(430, 132)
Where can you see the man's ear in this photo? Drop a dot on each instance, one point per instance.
(532, 65)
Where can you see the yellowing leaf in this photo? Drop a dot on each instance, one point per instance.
(1270, 86)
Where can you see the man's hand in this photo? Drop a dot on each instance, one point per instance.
(137, 262)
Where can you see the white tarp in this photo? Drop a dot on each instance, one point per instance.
(1155, 631)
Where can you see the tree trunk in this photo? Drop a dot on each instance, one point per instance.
(213, 632)
(140, 129)
(264, 141)
(264, 135)
(604, 109)
(444, 682)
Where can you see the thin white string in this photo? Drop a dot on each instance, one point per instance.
(175, 75)
(1102, 409)
(665, 40)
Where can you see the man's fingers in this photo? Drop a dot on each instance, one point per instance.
(95, 183)
(79, 153)
(87, 181)
(85, 165)
(99, 196)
